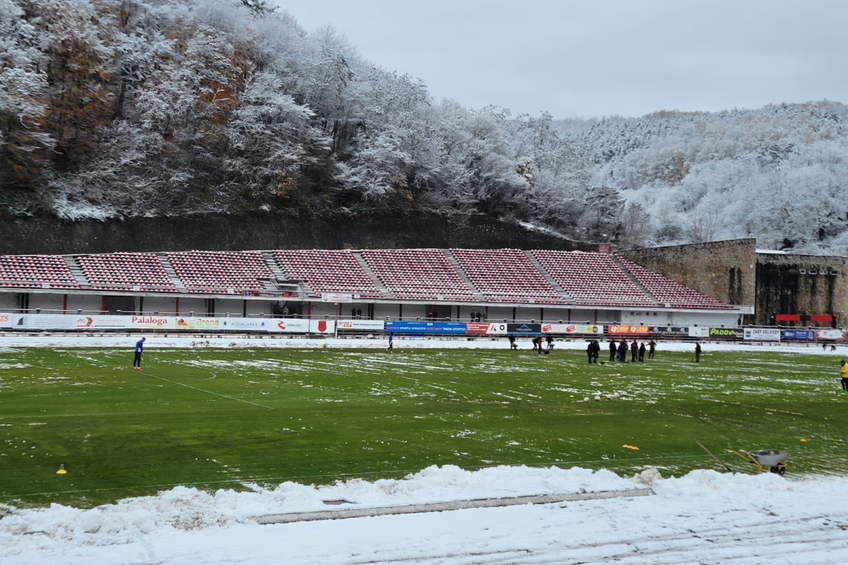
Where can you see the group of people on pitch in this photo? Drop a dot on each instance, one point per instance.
(618, 352)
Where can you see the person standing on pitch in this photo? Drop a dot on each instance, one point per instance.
(634, 351)
(613, 350)
(844, 377)
(139, 346)
(391, 338)
(697, 353)
(642, 352)
(622, 351)
(652, 346)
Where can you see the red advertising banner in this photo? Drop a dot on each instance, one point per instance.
(637, 330)
(476, 328)
(787, 317)
(821, 318)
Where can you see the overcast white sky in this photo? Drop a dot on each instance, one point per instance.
(591, 58)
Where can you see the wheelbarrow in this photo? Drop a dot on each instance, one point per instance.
(763, 460)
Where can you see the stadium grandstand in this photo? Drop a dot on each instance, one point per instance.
(480, 285)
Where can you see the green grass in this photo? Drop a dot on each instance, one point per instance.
(216, 418)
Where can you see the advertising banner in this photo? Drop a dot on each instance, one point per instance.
(830, 334)
(47, 321)
(336, 297)
(477, 328)
(762, 334)
(484, 328)
(245, 324)
(198, 323)
(799, 334)
(668, 330)
(425, 327)
(727, 333)
(322, 326)
(5, 320)
(700, 331)
(152, 322)
(288, 325)
(572, 329)
(631, 330)
(497, 329)
(101, 322)
(361, 325)
(524, 328)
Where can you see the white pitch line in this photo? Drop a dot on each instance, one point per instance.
(210, 392)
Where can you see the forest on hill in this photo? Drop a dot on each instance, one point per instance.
(173, 108)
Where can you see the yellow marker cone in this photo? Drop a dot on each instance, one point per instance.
(803, 440)
(62, 470)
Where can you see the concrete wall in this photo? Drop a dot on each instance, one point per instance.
(718, 319)
(47, 302)
(163, 305)
(787, 285)
(9, 302)
(196, 305)
(383, 311)
(84, 303)
(725, 270)
(49, 235)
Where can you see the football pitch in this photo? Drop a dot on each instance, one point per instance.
(231, 418)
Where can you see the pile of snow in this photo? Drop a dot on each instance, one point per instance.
(705, 517)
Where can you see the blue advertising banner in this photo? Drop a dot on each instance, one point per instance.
(425, 327)
(799, 334)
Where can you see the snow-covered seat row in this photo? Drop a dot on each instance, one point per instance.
(592, 278)
(328, 271)
(35, 271)
(126, 271)
(220, 271)
(420, 274)
(506, 275)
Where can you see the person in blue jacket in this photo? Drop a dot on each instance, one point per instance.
(139, 346)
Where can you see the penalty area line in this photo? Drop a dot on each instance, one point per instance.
(210, 392)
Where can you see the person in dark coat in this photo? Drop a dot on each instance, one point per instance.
(512, 344)
(622, 351)
(634, 351)
(697, 353)
(596, 351)
(613, 350)
(652, 346)
(550, 340)
(642, 352)
(590, 350)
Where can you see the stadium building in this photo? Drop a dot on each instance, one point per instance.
(485, 290)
